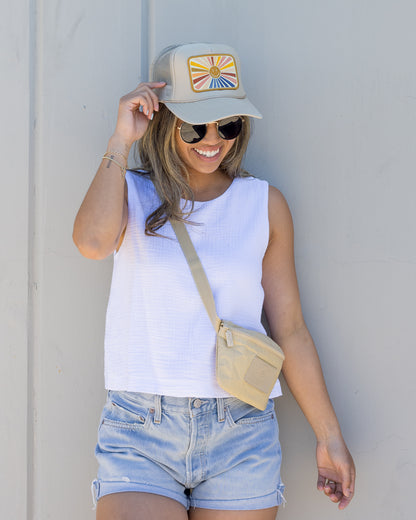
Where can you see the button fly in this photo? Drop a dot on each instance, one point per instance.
(197, 403)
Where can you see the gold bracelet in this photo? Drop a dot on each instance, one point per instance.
(122, 168)
(114, 152)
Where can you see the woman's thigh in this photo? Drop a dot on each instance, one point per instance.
(213, 514)
(139, 506)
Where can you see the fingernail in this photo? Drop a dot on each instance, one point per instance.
(147, 112)
(151, 117)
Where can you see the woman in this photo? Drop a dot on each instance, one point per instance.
(172, 444)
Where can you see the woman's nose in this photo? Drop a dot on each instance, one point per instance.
(212, 133)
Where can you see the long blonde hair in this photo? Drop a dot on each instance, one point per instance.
(159, 158)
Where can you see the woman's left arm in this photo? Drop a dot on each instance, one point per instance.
(301, 368)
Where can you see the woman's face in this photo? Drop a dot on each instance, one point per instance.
(206, 156)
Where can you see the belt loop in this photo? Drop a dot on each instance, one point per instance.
(158, 409)
(220, 409)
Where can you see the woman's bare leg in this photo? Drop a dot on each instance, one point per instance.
(214, 514)
(139, 506)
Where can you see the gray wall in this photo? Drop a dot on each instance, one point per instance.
(337, 85)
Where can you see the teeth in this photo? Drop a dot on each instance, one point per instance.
(206, 153)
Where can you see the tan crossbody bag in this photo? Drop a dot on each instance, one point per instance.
(248, 362)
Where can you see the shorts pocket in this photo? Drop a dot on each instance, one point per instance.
(239, 413)
(124, 412)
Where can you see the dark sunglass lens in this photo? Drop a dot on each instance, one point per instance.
(230, 127)
(192, 133)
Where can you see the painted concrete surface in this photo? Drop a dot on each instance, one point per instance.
(337, 86)
(14, 303)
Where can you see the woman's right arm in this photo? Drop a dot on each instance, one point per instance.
(102, 217)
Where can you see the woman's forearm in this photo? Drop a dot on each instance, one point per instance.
(103, 213)
(303, 374)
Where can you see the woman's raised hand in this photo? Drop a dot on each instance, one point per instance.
(135, 111)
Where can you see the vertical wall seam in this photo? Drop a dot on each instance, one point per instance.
(144, 57)
(147, 39)
(35, 7)
(151, 33)
(31, 130)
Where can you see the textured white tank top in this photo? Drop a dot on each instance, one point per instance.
(158, 337)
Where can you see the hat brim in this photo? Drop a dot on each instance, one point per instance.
(208, 110)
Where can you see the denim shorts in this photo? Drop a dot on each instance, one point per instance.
(213, 453)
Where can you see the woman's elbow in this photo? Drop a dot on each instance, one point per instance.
(91, 248)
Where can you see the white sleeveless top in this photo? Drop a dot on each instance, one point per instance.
(158, 337)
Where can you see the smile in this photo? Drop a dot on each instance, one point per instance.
(207, 153)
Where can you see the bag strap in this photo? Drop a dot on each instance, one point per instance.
(198, 273)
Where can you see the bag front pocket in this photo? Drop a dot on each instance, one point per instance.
(248, 364)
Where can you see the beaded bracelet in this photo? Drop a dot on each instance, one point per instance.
(110, 157)
(115, 152)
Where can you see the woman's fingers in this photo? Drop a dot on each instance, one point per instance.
(338, 491)
(137, 101)
(334, 491)
(321, 482)
(152, 84)
(136, 109)
(348, 487)
(145, 97)
(142, 102)
(330, 488)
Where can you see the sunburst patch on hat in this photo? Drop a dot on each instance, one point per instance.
(213, 72)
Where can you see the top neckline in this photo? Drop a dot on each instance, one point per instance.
(198, 203)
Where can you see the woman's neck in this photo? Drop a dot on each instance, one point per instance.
(209, 186)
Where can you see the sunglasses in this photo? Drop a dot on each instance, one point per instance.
(228, 128)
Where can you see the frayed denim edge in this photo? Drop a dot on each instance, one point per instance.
(281, 500)
(95, 488)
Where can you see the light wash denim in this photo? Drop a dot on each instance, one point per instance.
(214, 453)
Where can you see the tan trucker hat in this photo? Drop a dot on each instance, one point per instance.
(203, 82)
